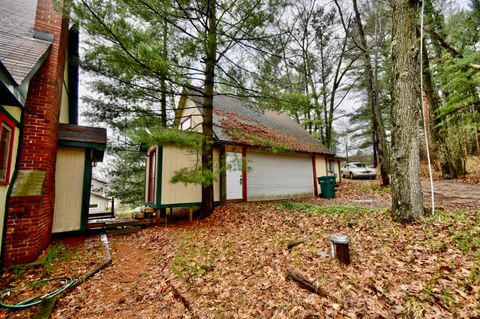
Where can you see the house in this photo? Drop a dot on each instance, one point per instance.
(267, 156)
(99, 202)
(45, 156)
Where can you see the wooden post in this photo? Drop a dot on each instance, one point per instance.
(157, 216)
(190, 214)
(168, 215)
(340, 248)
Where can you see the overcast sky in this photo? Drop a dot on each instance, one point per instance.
(350, 104)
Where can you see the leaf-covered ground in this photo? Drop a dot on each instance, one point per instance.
(71, 258)
(233, 265)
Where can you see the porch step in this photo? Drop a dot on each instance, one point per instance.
(101, 215)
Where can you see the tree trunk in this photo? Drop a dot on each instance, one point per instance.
(207, 127)
(407, 196)
(373, 100)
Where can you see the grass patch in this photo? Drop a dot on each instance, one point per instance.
(323, 210)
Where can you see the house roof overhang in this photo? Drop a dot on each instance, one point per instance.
(94, 138)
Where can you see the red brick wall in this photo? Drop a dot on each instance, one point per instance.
(30, 218)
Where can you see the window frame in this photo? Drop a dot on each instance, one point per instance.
(188, 118)
(152, 175)
(9, 123)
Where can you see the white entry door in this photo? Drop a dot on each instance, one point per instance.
(234, 176)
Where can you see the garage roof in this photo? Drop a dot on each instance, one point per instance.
(237, 121)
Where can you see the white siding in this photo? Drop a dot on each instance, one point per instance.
(68, 189)
(274, 176)
(101, 202)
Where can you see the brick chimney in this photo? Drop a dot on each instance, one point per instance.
(31, 204)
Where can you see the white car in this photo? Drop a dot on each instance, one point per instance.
(358, 170)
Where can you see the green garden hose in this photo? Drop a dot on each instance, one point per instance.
(35, 300)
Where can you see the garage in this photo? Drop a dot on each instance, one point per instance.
(275, 176)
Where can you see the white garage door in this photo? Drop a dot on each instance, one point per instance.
(272, 176)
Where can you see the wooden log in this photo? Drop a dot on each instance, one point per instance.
(294, 243)
(305, 283)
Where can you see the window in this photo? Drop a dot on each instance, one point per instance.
(6, 144)
(187, 124)
(359, 165)
(331, 166)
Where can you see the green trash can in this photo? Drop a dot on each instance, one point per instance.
(327, 185)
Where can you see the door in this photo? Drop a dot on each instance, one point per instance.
(234, 176)
(275, 176)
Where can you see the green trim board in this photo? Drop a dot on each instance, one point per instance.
(73, 61)
(10, 92)
(158, 195)
(87, 180)
(95, 146)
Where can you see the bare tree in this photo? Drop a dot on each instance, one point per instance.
(373, 98)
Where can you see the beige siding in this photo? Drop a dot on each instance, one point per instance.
(322, 167)
(336, 170)
(14, 111)
(64, 106)
(68, 189)
(194, 112)
(175, 159)
(4, 188)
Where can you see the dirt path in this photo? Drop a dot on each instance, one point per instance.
(453, 194)
(448, 194)
(133, 286)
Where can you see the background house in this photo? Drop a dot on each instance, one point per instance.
(267, 155)
(99, 201)
(46, 157)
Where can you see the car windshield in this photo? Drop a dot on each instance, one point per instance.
(359, 165)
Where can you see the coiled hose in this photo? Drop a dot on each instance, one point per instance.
(35, 300)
